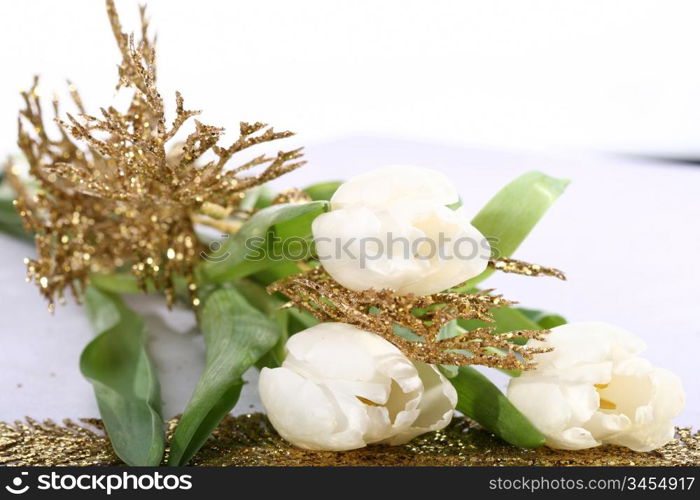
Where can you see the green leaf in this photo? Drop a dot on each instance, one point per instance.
(323, 190)
(121, 283)
(300, 320)
(247, 251)
(236, 336)
(506, 319)
(272, 307)
(124, 379)
(265, 196)
(544, 319)
(275, 272)
(11, 222)
(512, 213)
(481, 400)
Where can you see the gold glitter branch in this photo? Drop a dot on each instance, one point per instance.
(381, 311)
(116, 190)
(520, 267)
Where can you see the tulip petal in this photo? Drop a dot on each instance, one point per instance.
(436, 406)
(592, 388)
(392, 229)
(541, 401)
(604, 425)
(395, 183)
(341, 388)
(574, 438)
(310, 418)
(668, 396)
(646, 438)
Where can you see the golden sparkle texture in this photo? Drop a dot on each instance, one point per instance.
(250, 440)
(381, 311)
(507, 265)
(120, 190)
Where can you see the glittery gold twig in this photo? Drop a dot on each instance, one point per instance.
(118, 190)
(520, 267)
(381, 311)
(291, 195)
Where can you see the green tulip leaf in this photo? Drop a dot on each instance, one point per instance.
(272, 307)
(479, 399)
(236, 336)
(544, 319)
(506, 319)
(248, 251)
(323, 190)
(124, 380)
(513, 212)
(11, 222)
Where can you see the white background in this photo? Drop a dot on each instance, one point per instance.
(463, 85)
(610, 75)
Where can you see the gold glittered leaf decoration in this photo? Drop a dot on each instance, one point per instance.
(508, 265)
(117, 190)
(382, 311)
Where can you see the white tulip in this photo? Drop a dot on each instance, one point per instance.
(392, 228)
(592, 389)
(341, 388)
(395, 183)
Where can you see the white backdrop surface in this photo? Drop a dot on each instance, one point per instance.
(625, 232)
(610, 75)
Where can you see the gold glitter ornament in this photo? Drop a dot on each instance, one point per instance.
(380, 311)
(250, 440)
(507, 265)
(291, 195)
(118, 191)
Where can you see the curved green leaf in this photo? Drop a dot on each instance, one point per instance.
(481, 400)
(236, 335)
(544, 319)
(323, 190)
(245, 253)
(512, 213)
(272, 307)
(119, 283)
(11, 222)
(124, 380)
(506, 319)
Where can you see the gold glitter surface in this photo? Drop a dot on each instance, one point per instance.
(379, 311)
(520, 267)
(250, 440)
(119, 190)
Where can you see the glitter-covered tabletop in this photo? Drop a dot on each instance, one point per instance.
(249, 440)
